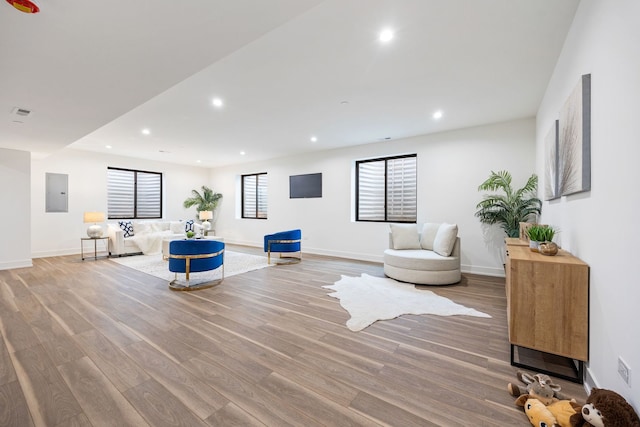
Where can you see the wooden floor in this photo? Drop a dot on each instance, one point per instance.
(94, 343)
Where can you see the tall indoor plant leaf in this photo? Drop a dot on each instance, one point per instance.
(206, 200)
(512, 206)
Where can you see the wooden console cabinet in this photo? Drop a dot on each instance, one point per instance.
(547, 302)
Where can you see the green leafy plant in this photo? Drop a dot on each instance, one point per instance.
(548, 233)
(205, 201)
(510, 208)
(541, 233)
(190, 234)
(536, 233)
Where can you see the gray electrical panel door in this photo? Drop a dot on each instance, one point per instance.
(57, 192)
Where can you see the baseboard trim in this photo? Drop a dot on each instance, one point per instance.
(483, 271)
(9, 265)
(61, 252)
(314, 251)
(589, 381)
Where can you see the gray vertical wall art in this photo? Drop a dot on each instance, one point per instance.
(574, 133)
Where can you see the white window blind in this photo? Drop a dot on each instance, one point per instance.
(401, 190)
(133, 194)
(254, 196)
(387, 189)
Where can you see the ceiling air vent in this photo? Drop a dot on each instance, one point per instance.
(20, 115)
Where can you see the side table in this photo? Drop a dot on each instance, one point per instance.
(95, 245)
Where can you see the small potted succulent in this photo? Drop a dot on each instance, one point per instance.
(190, 234)
(539, 235)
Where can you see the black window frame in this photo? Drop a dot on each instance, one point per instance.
(386, 208)
(135, 194)
(257, 200)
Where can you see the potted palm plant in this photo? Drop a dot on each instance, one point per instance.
(207, 200)
(511, 207)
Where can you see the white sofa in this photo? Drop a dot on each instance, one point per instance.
(147, 236)
(428, 257)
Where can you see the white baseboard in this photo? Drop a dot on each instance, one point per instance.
(483, 271)
(589, 381)
(58, 252)
(22, 263)
(314, 251)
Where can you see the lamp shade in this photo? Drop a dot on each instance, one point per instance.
(94, 217)
(205, 215)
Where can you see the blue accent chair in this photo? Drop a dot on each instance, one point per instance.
(192, 256)
(284, 242)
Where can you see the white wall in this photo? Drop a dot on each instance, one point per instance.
(59, 233)
(603, 41)
(15, 183)
(451, 165)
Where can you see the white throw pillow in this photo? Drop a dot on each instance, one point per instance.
(405, 236)
(176, 227)
(445, 239)
(428, 234)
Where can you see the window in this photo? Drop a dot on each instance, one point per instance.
(254, 196)
(386, 189)
(133, 194)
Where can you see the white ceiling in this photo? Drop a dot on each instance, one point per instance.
(97, 73)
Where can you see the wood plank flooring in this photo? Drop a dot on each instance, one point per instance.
(94, 343)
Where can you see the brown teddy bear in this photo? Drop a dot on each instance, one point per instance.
(605, 408)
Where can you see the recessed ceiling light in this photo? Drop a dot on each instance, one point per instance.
(107, 146)
(146, 131)
(198, 161)
(242, 153)
(314, 139)
(217, 102)
(437, 115)
(344, 102)
(385, 35)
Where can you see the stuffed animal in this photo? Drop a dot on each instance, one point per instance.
(539, 386)
(563, 410)
(536, 411)
(557, 414)
(540, 382)
(605, 408)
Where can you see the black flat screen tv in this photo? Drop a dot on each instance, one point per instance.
(305, 186)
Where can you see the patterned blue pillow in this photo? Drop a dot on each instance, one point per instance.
(188, 226)
(127, 227)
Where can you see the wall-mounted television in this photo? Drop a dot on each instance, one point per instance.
(305, 186)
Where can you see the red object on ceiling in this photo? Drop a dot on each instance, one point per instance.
(24, 6)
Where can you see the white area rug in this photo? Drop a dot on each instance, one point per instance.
(234, 263)
(368, 299)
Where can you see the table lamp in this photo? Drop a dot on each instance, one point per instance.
(205, 216)
(94, 230)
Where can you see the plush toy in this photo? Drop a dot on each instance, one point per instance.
(557, 414)
(563, 410)
(605, 408)
(536, 411)
(539, 386)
